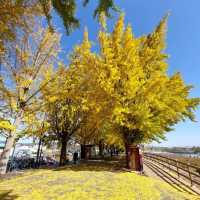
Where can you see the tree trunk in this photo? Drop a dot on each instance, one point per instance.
(6, 153)
(133, 157)
(111, 151)
(82, 151)
(40, 156)
(11, 159)
(101, 148)
(38, 153)
(4, 158)
(63, 153)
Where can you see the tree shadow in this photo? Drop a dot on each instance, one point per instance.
(94, 165)
(7, 195)
(10, 175)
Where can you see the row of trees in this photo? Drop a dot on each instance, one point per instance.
(27, 51)
(120, 95)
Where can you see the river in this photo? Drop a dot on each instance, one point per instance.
(186, 154)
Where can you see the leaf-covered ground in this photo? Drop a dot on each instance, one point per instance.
(91, 181)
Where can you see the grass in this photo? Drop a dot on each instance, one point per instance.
(91, 181)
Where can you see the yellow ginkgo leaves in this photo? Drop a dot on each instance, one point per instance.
(6, 125)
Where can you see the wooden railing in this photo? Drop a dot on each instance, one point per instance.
(183, 170)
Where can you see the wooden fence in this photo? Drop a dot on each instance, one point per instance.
(188, 172)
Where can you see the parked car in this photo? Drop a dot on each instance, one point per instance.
(19, 163)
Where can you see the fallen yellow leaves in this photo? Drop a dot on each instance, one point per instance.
(89, 182)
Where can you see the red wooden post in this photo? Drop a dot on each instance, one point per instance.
(133, 157)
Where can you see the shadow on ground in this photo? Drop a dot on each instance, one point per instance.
(113, 165)
(7, 195)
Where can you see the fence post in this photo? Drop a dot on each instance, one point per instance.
(169, 164)
(188, 166)
(177, 169)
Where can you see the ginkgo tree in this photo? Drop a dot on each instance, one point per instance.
(148, 102)
(64, 118)
(64, 109)
(75, 107)
(144, 101)
(28, 58)
(95, 101)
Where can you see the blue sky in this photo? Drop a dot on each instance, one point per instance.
(183, 46)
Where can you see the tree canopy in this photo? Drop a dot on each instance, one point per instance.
(66, 9)
(144, 101)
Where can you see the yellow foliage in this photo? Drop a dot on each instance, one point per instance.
(28, 72)
(6, 125)
(129, 77)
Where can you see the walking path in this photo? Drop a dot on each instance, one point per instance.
(154, 170)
